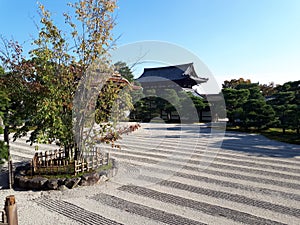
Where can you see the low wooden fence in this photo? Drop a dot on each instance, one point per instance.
(91, 163)
(50, 162)
(55, 162)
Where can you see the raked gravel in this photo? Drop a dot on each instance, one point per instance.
(172, 174)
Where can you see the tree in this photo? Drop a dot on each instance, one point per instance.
(286, 103)
(168, 102)
(138, 102)
(234, 83)
(234, 100)
(124, 70)
(247, 107)
(4, 102)
(113, 102)
(268, 90)
(56, 65)
(188, 104)
(256, 111)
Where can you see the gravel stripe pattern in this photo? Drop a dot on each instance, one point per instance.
(249, 180)
(74, 212)
(201, 206)
(145, 211)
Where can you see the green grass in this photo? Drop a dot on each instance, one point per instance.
(105, 167)
(290, 136)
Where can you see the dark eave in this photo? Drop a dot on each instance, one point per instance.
(173, 73)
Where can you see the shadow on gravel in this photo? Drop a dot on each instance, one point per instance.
(252, 144)
(258, 145)
(4, 175)
(3, 179)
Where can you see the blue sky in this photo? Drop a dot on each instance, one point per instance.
(256, 39)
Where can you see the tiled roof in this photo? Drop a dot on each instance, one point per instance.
(173, 73)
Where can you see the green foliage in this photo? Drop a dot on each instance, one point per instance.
(286, 103)
(290, 136)
(250, 105)
(168, 102)
(235, 99)
(42, 88)
(113, 101)
(1, 70)
(4, 103)
(246, 106)
(3, 152)
(124, 70)
(234, 83)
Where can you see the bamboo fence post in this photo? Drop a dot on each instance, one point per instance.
(11, 210)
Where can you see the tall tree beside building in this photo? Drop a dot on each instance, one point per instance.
(235, 100)
(124, 70)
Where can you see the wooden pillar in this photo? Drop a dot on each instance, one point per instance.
(11, 210)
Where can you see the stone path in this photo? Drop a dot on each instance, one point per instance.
(172, 174)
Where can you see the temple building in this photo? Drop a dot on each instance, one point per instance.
(183, 76)
(178, 77)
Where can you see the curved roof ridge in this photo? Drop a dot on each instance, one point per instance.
(174, 72)
(166, 67)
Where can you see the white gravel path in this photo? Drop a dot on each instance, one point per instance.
(219, 194)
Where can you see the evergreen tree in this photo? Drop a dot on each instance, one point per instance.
(234, 100)
(286, 103)
(124, 70)
(247, 107)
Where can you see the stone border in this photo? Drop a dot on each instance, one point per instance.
(39, 183)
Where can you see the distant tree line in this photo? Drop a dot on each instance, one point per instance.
(248, 105)
(256, 106)
(165, 103)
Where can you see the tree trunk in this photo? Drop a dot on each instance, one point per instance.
(10, 171)
(67, 152)
(6, 135)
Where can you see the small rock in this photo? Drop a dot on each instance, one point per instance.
(89, 176)
(62, 188)
(72, 183)
(37, 183)
(89, 179)
(103, 172)
(52, 184)
(102, 179)
(22, 182)
(61, 181)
